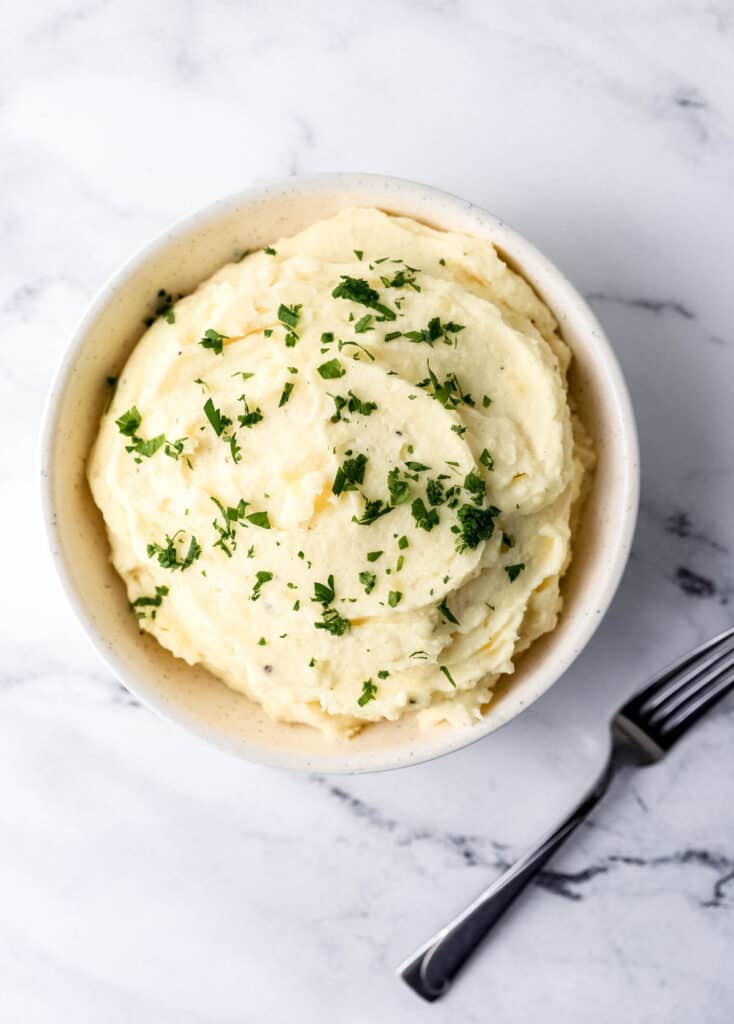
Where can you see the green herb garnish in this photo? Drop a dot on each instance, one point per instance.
(218, 420)
(369, 692)
(333, 622)
(442, 668)
(163, 308)
(430, 335)
(447, 613)
(349, 475)
(399, 489)
(394, 598)
(513, 571)
(149, 602)
(475, 525)
(286, 393)
(331, 370)
(356, 289)
(476, 487)
(168, 556)
(214, 340)
(368, 581)
(486, 460)
(261, 578)
(324, 593)
(425, 518)
(373, 509)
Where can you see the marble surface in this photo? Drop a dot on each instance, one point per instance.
(146, 877)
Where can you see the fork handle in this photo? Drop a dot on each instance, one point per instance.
(430, 971)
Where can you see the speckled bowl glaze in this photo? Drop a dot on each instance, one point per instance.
(180, 259)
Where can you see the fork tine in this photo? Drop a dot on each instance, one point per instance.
(663, 711)
(697, 706)
(679, 674)
(695, 681)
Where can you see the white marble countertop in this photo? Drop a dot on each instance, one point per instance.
(146, 877)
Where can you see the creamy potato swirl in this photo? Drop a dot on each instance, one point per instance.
(341, 473)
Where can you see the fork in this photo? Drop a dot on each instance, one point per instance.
(642, 732)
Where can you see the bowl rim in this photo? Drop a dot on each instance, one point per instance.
(393, 757)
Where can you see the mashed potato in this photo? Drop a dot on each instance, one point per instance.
(341, 473)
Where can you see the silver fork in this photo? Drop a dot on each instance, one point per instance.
(643, 731)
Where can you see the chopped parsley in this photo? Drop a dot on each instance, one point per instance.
(508, 540)
(353, 404)
(350, 474)
(356, 289)
(231, 516)
(261, 578)
(226, 533)
(333, 622)
(259, 519)
(394, 598)
(235, 449)
(163, 308)
(372, 556)
(486, 460)
(435, 492)
(214, 340)
(331, 370)
(383, 673)
(459, 428)
(216, 417)
(476, 487)
(403, 543)
(430, 335)
(399, 489)
(486, 401)
(373, 509)
(364, 324)
(369, 692)
(449, 394)
(286, 393)
(129, 422)
(324, 593)
(447, 613)
(153, 603)
(249, 416)
(359, 253)
(475, 525)
(270, 251)
(442, 668)
(402, 279)
(368, 581)
(425, 518)
(289, 316)
(513, 571)
(168, 556)
(128, 425)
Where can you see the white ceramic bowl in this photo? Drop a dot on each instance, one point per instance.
(178, 260)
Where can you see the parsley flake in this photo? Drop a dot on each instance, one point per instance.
(425, 518)
(513, 571)
(369, 692)
(214, 340)
(442, 668)
(331, 370)
(168, 557)
(349, 475)
(368, 581)
(356, 289)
